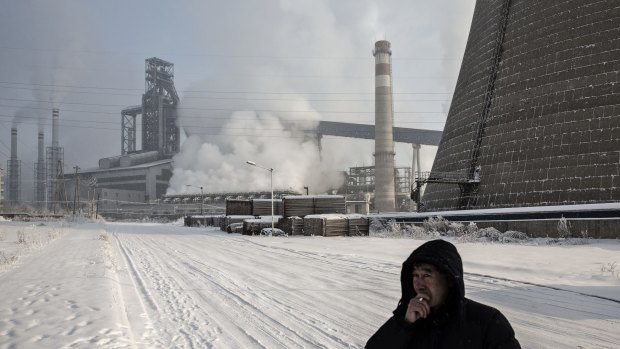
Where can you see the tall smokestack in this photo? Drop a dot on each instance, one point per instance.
(39, 172)
(385, 196)
(55, 118)
(41, 147)
(13, 143)
(13, 169)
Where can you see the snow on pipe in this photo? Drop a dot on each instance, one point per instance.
(385, 196)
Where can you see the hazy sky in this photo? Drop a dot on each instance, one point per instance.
(251, 75)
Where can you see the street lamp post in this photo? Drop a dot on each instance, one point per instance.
(271, 172)
(201, 197)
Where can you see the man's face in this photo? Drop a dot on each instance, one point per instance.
(430, 284)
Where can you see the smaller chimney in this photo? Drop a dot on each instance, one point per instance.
(55, 119)
(13, 143)
(41, 147)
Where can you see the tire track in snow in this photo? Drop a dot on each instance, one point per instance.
(262, 300)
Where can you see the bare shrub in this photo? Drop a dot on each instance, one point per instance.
(471, 228)
(563, 228)
(438, 224)
(54, 234)
(21, 237)
(513, 236)
(611, 268)
(456, 229)
(6, 260)
(104, 237)
(490, 234)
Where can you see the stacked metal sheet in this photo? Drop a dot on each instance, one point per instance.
(358, 225)
(328, 204)
(292, 225)
(262, 207)
(238, 207)
(298, 205)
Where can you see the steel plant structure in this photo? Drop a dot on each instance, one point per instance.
(535, 116)
(159, 115)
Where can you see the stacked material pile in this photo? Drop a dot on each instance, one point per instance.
(314, 225)
(298, 205)
(238, 207)
(329, 204)
(262, 207)
(227, 220)
(253, 226)
(336, 225)
(292, 225)
(358, 225)
(326, 225)
(195, 221)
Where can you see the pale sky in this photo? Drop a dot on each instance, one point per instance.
(295, 61)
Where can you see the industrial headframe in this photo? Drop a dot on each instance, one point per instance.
(159, 115)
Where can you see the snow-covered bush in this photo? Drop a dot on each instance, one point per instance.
(471, 228)
(513, 236)
(563, 228)
(7, 259)
(438, 224)
(490, 233)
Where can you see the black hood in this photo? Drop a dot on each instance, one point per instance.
(444, 256)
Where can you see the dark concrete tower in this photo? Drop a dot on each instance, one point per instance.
(536, 107)
(385, 197)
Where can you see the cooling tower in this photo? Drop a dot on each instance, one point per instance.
(385, 196)
(536, 108)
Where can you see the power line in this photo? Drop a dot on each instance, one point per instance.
(201, 91)
(236, 110)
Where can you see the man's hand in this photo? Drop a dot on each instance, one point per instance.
(417, 308)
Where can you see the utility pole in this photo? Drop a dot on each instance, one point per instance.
(75, 192)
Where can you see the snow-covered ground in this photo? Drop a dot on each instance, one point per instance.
(130, 285)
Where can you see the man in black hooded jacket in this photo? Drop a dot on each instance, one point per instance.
(433, 311)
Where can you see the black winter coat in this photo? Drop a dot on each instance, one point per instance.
(459, 323)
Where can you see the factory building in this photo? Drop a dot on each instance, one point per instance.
(115, 188)
(535, 116)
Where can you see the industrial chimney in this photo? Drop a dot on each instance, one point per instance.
(385, 197)
(55, 159)
(13, 170)
(39, 172)
(55, 118)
